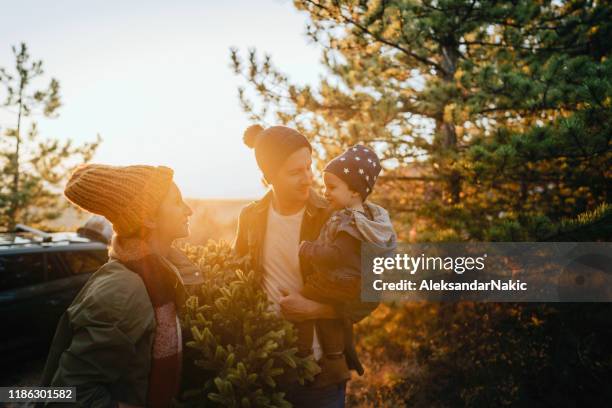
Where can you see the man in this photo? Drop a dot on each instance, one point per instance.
(270, 231)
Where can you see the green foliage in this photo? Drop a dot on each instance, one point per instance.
(485, 354)
(480, 110)
(33, 169)
(243, 354)
(595, 225)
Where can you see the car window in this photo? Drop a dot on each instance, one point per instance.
(19, 270)
(63, 264)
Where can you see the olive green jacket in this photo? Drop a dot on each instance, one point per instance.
(103, 341)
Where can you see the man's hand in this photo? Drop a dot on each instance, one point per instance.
(296, 308)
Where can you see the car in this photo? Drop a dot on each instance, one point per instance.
(40, 275)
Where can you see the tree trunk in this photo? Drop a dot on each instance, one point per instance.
(15, 187)
(445, 127)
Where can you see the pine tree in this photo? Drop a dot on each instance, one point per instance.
(493, 119)
(483, 111)
(243, 354)
(33, 169)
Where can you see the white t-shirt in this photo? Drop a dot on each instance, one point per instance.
(280, 260)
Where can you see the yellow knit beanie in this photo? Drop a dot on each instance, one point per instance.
(125, 195)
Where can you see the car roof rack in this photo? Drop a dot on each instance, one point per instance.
(48, 243)
(46, 237)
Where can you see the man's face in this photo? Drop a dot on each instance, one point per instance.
(293, 180)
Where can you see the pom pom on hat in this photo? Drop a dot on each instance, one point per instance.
(251, 135)
(273, 145)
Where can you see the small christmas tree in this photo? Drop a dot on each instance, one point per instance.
(238, 352)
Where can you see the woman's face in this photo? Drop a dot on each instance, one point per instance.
(293, 179)
(172, 218)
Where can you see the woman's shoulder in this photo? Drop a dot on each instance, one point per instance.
(115, 280)
(113, 294)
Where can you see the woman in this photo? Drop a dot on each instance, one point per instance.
(119, 343)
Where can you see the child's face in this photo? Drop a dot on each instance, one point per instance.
(338, 193)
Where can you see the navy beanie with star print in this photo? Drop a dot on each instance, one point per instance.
(358, 167)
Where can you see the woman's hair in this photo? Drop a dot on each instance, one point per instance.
(273, 145)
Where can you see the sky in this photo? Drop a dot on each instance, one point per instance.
(154, 79)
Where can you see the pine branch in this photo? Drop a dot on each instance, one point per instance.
(377, 37)
(595, 225)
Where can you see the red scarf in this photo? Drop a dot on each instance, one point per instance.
(166, 291)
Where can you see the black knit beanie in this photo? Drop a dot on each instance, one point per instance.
(273, 145)
(358, 167)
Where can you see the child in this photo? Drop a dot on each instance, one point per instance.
(333, 262)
